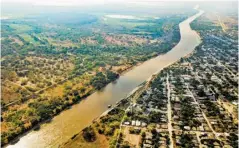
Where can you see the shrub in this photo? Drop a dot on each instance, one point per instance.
(89, 134)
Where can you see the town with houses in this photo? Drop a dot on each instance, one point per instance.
(194, 109)
(192, 103)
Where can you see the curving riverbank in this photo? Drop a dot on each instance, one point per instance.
(71, 121)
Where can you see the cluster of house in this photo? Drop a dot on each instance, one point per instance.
(222, 122)
(148, 143)
(209, 140)
(176, 107)
(135, 123)
(222, 67)
(145, 108)
(178, 138)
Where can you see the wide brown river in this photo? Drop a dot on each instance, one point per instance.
(69, 122)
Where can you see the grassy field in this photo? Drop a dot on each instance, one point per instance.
(100, 142)
(28, 38)
(20, 27)
(66, 43)
(122, 22)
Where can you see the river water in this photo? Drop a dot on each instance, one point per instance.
(69, 122)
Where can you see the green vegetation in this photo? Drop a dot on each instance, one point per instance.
(233, 139)
(188, 113)
(134, 131)
(100, 80)
(49, 63)
(186, 141)
(89, 134)
(212, 109)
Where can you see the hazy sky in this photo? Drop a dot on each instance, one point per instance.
(91, 2)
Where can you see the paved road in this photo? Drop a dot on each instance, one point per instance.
(199, 140)
(221, 23)
(170, 128)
